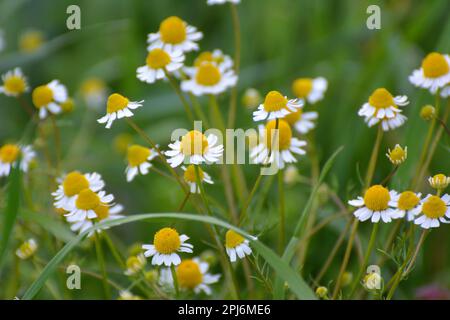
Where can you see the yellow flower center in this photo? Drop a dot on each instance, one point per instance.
(15, 84)
(92, 85)
(408, 200)
(42, 96)
(427, 112)
(207, 56)
(157, 59)
(116, 102)
(435, 65)
(439, 179)
(208, 74)
(102, 211)
(74, 183)
(293, 117)
(189, 274)
(284, 135)
(397, 154)
(27, 249)
(167, 241)
(233, 239)
(137, 155)
(377, 198)
(31, 41)
(173, 30)
(190, 174)
(274, 101)
(302, 87)
(434, 207)
(381, 98)
(134, 263)
(9, 153)
(87, 200)
(194, 142)
(68, 105)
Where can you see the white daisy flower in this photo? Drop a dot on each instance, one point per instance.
(311, 90)
(49, 97)
(407, 204)
(135, 264)
(378, 203)
(433, 211)
(190, 176)
(235, 244)
(27, 249)
(158, 62)
(275, 106)
(434, 73)
(397, 155)
(209, 78)
(439, 181)
(118, 107)
(303, 122)
(94, 92)
(139, 160)
(127, 295)
(14, 83)
(175, 34)
(281, 153)
(194, 148)
(71, 185)
(86, 205)
(191, 275)
(166, 243)
(216, 57)
(383, 107)
(213, 2)
(9, 156)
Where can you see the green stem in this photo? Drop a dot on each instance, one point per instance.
(183, 203)
(57, 134)
(101, 263)
(116, 254)
(281, 210)
(175, 280)
(249, 200)
(374, 157)
(183, 100)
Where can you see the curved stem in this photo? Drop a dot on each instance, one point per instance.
(183, 100)
(101, 263)
(249, 199)
(281, 209)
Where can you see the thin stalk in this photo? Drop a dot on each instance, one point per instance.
(442, 123)
(374, 157)
(101, 263)
(281, 210)
(183, 100)
(237, 63)
(175, 280)
(57, 135)
(249, 200)
(183, 203)
(116, 254)
(389, 176)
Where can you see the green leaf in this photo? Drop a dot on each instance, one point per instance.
(50, 224)
(293, 279)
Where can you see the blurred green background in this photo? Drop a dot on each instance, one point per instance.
(281, 40)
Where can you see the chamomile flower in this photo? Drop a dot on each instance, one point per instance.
(209, 78)
(251, 98)
(190, 176)
(215, 57)
(71, 185)
(9, 156)
(236, 245)
(279, 153)
(372, 281)
(139, 158)
(439, 181)
(175, 34)
(192, 274)
(118, 107)
(428, 112)
(303, 122)
(377, 203)
(275, 106)
(433, 211)
(213, 2)
(383, 107)
(311, 90)
(31, 41)
(407, 204)
(135, 264)
(434, 73)
(166, 243)
(14, 83)
(158, 62)
(89, 205)
(397, 155)
(27, 249)
(48, 98)
(94, 92)
(128, 295)
(194, 148)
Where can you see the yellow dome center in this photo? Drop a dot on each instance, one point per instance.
(92, 85)
(167, 241)
(9, 153)
(102, 211)
(194, 142)
(284, 134)
(435, 65)
(173, 30)
(191, 176)
(137, 155)
(377, 198)
(116, 102)
(408, 200)
(302, 87)
(189, 274)
(15, 84)
(68, 105)
(207, 56)
(208, 74)
(42, 96)
(381, 99)
(274, 101)
(74, 183)
(434, 207)
(157, 59)
(31, 41)
(397, 154)
(87, 200)
(293, 117)
(233, 239)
